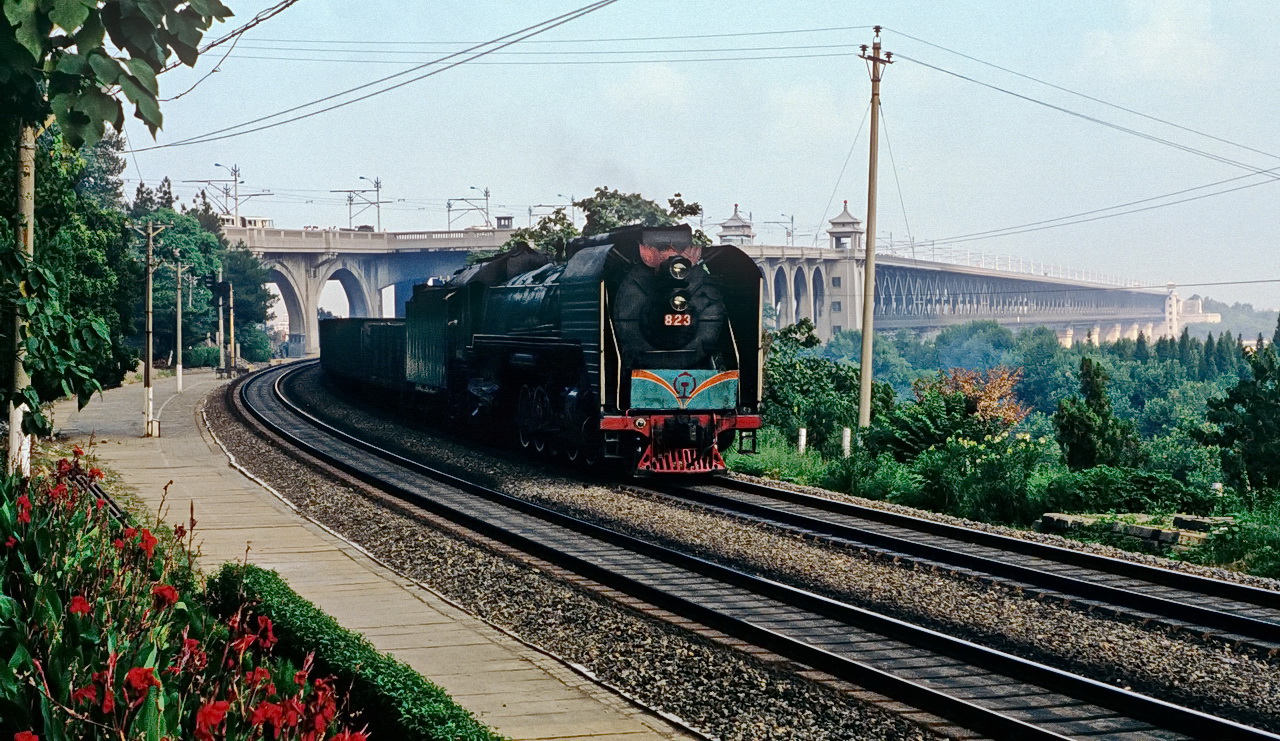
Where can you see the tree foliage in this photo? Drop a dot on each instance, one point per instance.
(1248, 426)
(1088, 431)
(609, 209)
(67, 56)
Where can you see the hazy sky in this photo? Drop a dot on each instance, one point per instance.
(568, 113)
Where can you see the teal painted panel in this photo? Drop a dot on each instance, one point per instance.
(684, 389)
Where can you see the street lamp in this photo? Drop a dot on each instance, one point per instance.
(235, 181)
(377, 197)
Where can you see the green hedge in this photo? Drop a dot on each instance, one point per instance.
(397, 702)
(1110, 489)
(200, 357)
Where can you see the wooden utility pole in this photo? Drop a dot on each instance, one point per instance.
(150, 426)
(875, 64)
(19, 457)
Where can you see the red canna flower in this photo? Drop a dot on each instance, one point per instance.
(130, 532)
(350, 736)
(266, 712)
(264, 626)
(243, 643)
(291, 711)
(95, 473)
(138, 681)
(24, 509)
(25, 736)
(300, 678)
(64, 467)
(89, 693)
(108, 701)
(80, 606)
(99, 502)
(118, 543)
(77, 451)
(257, 676)
(11, 542)
(58, 492)
(148, 543)
(208, 717)
(165, 596)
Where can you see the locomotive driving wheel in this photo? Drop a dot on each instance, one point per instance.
(541, 414)
(525, 417)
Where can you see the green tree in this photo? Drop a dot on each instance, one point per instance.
(100, 179)
(1142, 351)
(1247, 419)
(144, 202)
(550, 235)
(1089, 433)
(974, 346)
(609, 209)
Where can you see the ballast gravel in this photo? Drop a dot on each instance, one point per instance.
(722, 692)
(1180, 668)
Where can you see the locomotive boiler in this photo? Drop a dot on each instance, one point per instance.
(640, 347)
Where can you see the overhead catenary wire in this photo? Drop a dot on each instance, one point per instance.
(496, 44)
(857, 134)
(235, 35)
(1086, 96)
(609, 40)
(896, 180)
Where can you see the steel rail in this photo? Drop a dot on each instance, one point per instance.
(1158, 713)
(832, 531)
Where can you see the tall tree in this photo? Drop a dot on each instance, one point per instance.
(1088, 430)
(164, 194)
(1141, 351)
(144, 202)
(100, 179)
(1248, 429)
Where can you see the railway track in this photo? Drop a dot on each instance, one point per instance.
(1235, 612)
(985, 690)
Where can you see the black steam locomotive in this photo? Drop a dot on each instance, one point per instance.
(640, 347)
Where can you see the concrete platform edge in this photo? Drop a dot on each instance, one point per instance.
(579, 669)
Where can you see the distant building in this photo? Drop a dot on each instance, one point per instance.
(736, 230)
(249, 222)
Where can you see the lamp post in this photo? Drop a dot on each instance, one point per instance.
(377, 197)
(235, 183)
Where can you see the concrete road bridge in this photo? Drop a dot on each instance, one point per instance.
(823, 284)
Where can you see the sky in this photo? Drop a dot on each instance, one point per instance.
(763, 104)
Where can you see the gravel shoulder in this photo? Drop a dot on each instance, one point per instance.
(1180, 668)
(721, 691)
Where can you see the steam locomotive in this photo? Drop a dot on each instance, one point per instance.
(641, 348)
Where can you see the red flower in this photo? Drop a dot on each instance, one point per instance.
(11, 542)
(25, 736)
(80, 606)
(118, 543)
(77, 451)
(165, 596)
(208, 717)
(257, 676)
(108, 701)
(129, 532)
(300, 678)
(291, 711)
(99, 502)
(148, 544)
(24, 509)
(95, 473)
(243, 643)
(138, 681)
(64, 467)
(264, 625)
(58, 492)
(266, 712)
(88, 692)
(349, 736)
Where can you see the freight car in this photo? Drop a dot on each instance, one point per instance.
(640, 347)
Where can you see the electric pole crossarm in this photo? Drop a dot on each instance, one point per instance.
(875, 64)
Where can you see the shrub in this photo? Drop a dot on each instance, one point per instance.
(1112, 489)
(881, 477)
(200, 357)
(777, 459)
(398, 702)
(999, 479)
(1250, 544)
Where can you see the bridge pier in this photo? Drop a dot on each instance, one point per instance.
(1066, 337)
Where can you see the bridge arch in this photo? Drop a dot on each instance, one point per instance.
(781, 304)
(290, 294)
(819, 294)
(800, 296)
(361, 300)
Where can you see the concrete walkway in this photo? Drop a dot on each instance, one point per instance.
(514, 689)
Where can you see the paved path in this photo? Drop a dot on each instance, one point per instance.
(513, 688)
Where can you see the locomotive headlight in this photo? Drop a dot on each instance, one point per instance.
(679, 268)
(679, 301)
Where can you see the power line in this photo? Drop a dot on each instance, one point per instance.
(1086, 96)
(584, 52)
(264, 15)
(1092, 119)
(571, 62)
(514, 37)
(584, 41)
(836, 188)
(896, 180)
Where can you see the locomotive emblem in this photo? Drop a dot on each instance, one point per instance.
(683, 389)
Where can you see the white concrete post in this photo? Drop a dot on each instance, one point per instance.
(846, 441)
(803, 441)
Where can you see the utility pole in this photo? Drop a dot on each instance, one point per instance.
(222, 359)
(19, 457)
(150, 428)
(875, 65)
(231, 326)
(177, 303)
